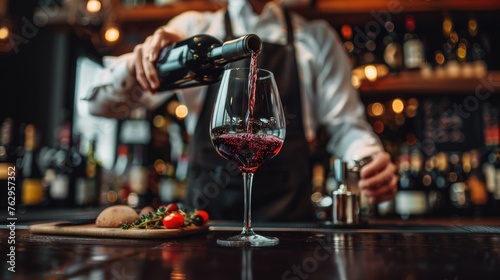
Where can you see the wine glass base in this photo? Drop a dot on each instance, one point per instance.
(243, 240)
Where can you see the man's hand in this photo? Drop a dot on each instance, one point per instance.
(141, 63)
(378, 180)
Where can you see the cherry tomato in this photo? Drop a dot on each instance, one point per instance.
(171, 207)
(173, 220)
(203, 214)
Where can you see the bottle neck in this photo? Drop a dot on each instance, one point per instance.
(236, 49)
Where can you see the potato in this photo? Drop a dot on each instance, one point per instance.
(115, 216)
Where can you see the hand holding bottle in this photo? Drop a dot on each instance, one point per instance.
(141, 63)
(378, 180)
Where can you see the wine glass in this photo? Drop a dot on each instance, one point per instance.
(247, 128)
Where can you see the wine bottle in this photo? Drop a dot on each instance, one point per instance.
(413, 48)
(88, 183)
(66, 164)
(201, 59)
(7, 164)
(459, 190)
(31, 183)
(411, 199)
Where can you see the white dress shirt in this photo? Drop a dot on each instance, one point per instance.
(328, 97)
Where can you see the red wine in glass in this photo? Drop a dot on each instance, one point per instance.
(248, 127)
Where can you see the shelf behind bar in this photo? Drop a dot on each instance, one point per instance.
(323, 8)
(349, 6)
(413, 83)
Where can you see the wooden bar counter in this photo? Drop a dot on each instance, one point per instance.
(382, 249)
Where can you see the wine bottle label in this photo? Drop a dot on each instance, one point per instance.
(411, 202)
(32, 191)
(413, 54)
(3, 170)
(135, 132)
(60, 187)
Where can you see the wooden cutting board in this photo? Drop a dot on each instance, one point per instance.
(62, 228)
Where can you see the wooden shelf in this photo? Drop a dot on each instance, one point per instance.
(149, 12)
(349, 6)
(323, 8)
(413, 83)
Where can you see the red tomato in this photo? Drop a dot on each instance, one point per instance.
(173, 220)
(203, 214)
(171, 207)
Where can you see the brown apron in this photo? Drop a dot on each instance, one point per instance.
(282, 185)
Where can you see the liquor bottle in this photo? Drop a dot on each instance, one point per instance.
(492, 177)
(413, 48)
(393, 52)
(32, 190)
(411, 199)
(476, 182)
(65, 164)
(7, 164)
(120, 171)
(88, 182)
(346, 32)
(201, 59)
(459, 190)
(476, 53)
(138, 178)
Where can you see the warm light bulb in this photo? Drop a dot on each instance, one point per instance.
(94, 6)
(439, 58)
(181, 111)
(377, 109)
(4, 33)
(159, 121)
(371, 72)
(112, 34)
(447, 27)
(398, 106)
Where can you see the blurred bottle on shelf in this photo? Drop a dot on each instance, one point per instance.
(459, 190)
(8, 165)
(89, 179)
(320, 199)
(120, 172)
(477, 184)
(413, 47)
(32, 189)
(393, 52)
(411, 199)
(346, 33)
(67, 163)
(475, 52)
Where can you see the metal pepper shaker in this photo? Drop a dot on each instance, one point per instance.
(345, 208)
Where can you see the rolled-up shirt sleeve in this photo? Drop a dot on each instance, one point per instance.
(115, 93)
(338, 104)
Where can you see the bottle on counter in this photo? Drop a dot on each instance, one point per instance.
(201, 59)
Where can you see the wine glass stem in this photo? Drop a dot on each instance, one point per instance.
(247, 184)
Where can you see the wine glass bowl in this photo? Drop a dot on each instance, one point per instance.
(248, 128)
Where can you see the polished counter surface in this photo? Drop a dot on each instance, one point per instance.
(382, 249)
